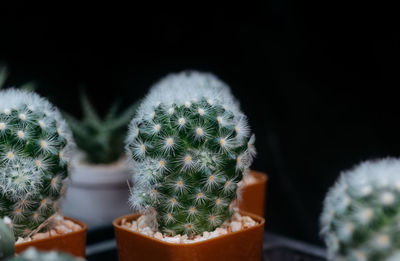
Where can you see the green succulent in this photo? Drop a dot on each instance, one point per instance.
(361, 216)
(7, 246)
(101, 140)
(35, 147)
(32, 254)
(189, 146)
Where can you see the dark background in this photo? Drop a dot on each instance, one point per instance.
(317, 79)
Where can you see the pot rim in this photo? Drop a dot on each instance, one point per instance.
(117, 221)
(261, 177)
(83, 229)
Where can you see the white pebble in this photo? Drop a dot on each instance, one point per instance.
(134, 226)
(236, 226)
(175, 239)
(141, 222)
(158, 235)
(147, 231)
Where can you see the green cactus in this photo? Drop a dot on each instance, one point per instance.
(32, 254)
(102, 141)
(189, 145)
(35, 145)
(7, 246)
(361, 216)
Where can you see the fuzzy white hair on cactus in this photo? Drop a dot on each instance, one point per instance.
(364, 195)
(191, 121)
(33, 137)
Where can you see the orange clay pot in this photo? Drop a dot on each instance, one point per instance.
(241, 245)
(253, 195)
(73, 243)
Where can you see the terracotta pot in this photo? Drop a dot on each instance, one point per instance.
(241, 245)
(73, 243)
(253, 195)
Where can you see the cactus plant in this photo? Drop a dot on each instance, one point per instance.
(189, 145)
(35, 145)
(361, 215)
(102, 141)
(31, 254)
(7, 247)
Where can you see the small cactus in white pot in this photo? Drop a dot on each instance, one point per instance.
(361, 215)
(100, 172)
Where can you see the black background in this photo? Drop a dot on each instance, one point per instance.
(318, 79)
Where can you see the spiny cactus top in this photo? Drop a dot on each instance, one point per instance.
(361, 216)
(190, 145)
(101, 140)
(34, 152)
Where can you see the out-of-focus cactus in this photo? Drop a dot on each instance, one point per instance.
(33, 255)
(29, 86)
(361, 216)
(7, 247)
(189, 146)
(101, 140)
(35, 145)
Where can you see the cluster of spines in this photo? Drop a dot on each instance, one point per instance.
(188, 159)
(361, 217)
(34, 149)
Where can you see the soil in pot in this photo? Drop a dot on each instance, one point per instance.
(245, 243)
(253, 193)
(66, 235)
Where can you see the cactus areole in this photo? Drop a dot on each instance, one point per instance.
(189, 146)
(360, 220)
(34, 153)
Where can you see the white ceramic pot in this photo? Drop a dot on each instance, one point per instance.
(97, 194)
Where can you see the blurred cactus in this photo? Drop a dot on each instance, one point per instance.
(29, 86)
(189, 145)
(32, 254)
(35, 144)
(102, 141)
(3, 74)
(361, 216)
(7, 247)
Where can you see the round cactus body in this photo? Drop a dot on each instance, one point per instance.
(361, 216)
(190, 146)
(34, 149)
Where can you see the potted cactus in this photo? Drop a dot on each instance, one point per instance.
(188, 146)
(100, 173)
(360, 218)
(7, 249)
(35, 147)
